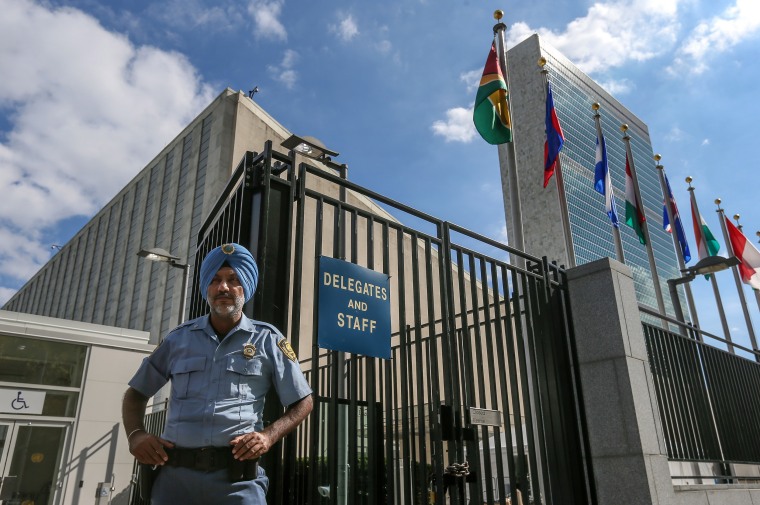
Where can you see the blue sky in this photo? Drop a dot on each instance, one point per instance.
(90, 91)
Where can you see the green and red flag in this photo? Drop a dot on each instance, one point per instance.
(634, 215)
(491, 115)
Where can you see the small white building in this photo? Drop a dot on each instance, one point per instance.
(61, 386)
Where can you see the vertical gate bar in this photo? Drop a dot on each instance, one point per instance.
(700, 407)
(316, 434)
(734, 435)
(353, 462)
(408, 475)
(468, 374)
(479, 379)
(373, 480)
(722, 411)
(683, 433)
(510, 396)
(667, 382)
(694, 380)
(496, 365)
(434, 372)
(299, 195)
(655, 363)
(536, 441)
(389, 385)
(451, 358)
(419, 368)
(681, 395)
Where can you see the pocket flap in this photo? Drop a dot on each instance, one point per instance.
(190, 364)
(239, 364)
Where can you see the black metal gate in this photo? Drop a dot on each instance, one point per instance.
(479, 401)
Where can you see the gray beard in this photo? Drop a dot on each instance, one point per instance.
(228, 311)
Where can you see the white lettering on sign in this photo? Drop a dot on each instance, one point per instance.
(483, 417)
(355, 286)
(21, 401)
(356, 323)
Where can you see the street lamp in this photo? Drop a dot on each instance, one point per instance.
(162, 256)
(708, 265)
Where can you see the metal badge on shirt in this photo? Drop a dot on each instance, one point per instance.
(287, 350)
(248, 350)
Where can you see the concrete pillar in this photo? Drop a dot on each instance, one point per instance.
(626, 443)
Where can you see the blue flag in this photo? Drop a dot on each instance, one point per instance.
(677, 218)
(554, 136)
(603, 182)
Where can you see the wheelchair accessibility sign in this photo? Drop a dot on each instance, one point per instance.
(21, 401)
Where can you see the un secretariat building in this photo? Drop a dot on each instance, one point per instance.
(591, 234)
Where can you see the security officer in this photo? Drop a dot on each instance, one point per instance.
(221, 367)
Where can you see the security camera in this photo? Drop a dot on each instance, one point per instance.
(324, 491)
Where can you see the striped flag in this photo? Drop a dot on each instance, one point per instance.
(680, 234)
(706, 243)
(603, 182)
(491, 113)
(555, 139)
(634, 216)
(749, 268)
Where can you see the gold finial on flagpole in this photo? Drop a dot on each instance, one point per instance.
(623, 127)
(541, 62)
(688, 181)
(657, 158)
(498, 14)
(717, 202)
(595, 106)
(736, 218)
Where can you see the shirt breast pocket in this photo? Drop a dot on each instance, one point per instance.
(187, 378)
(245, 376)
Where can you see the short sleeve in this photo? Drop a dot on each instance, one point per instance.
(288, 379)
(153, 373)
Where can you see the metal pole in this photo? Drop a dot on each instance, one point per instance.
(677, 303)
(183, 293)
(737, 277)
(697, 220)
(511, 158)
(615, 229)
(560, 188)
(676, 244)
(645, 224)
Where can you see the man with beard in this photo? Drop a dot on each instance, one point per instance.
(221, 367)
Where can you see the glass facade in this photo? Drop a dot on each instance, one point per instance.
(591, 230)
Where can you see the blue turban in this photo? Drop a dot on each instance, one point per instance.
(239, 259)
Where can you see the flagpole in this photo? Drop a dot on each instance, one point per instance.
(716, 291)
(560, 187)
(511, 158)
(645, 224)
(676, 245)
(737, 277)
(615, 229)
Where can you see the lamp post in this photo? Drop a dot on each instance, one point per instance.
(162, 256)
(707, 265)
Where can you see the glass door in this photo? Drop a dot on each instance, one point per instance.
(30, 457)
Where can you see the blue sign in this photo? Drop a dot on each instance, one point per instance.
(354, 309)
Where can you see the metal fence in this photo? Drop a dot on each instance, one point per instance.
(708, 397)
(473, 335)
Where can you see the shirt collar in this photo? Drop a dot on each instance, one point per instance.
(204, 324)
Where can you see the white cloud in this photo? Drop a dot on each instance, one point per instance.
(458, 126)
(346, 28)
(471, 79)
(675, 134)
(384, 46)
(265, 14)
(706, 142)
(284, 72)
(736, 24)
(612, 34)
(77, 92)
(617, 87)
(5, 295)
(190, 14)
